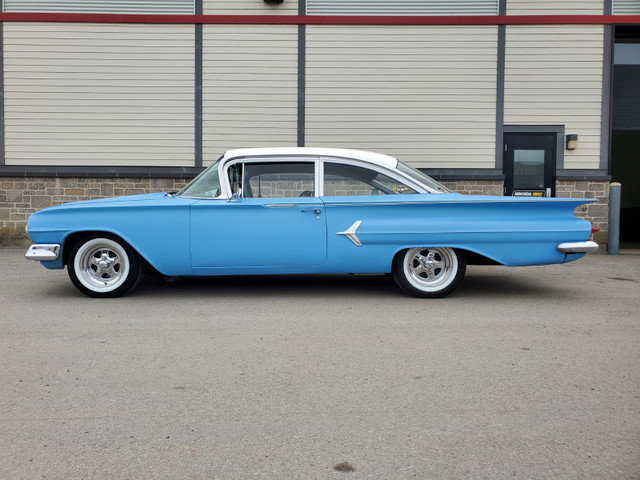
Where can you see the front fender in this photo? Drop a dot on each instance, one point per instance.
(158, 229)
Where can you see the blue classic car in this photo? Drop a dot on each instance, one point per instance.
(304, 210)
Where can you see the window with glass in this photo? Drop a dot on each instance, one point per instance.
(345, 180)
(205, 185)
(272, 179)
(528, 169)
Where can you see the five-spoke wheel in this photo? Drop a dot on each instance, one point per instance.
(428, 272)
(104, 266)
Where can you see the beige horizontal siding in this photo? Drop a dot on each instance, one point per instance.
(555, 7)
(424, 94)
(250, 88)
(553, 76)
(102, 6)
(626, 7)
(79, 94)
(402, 7)
(248, 7)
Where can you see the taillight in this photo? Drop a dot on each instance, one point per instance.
(594, 229)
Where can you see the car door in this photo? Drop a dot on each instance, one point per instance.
(274, 222)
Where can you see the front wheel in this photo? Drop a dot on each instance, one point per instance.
(104, 266)
(429, 272)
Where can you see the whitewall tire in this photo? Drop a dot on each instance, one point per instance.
(104, 266)
(429, 272)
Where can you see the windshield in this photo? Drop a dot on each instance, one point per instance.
(205, 185)
(422, 178)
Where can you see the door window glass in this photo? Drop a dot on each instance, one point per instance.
(341, 179)
(273, 180)
(528, 169)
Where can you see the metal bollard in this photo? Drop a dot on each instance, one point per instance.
(613, 248)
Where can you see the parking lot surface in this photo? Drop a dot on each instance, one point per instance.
(525, 373)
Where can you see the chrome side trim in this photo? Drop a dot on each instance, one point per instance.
(464, 199)
(43, 252)
(350, 233)
(578, 247)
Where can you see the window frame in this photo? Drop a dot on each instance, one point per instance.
(270, 159)
(319, 162)
(393, 174)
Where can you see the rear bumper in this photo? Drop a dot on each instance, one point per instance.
(578, 247)
(43, 252)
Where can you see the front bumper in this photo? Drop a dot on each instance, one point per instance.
(43, 252)
(578, 247)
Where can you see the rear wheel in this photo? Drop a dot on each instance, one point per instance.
(104, 266)
(429, 272)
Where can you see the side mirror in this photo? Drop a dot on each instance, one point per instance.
(234, 198)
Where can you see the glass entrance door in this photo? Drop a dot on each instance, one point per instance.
(530, 164)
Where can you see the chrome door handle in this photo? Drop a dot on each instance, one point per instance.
(317, 211)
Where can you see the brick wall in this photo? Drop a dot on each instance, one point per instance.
(597, 213)
(20, 197)
(475, 187)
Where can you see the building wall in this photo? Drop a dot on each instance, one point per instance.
(248, 7)
(98, 94)
(250, 87)
(598, 212)
(425, 94)
(555, 7)
(553, 76)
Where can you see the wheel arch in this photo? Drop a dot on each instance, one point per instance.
(473, 257)
(74, 237)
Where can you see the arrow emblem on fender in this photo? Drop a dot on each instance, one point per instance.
(350, 233)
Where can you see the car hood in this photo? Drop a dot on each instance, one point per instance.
(113, 201)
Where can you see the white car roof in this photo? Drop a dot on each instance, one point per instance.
(371, 157)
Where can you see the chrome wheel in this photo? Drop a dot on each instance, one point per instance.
(101, 265)
(429, 271)
(430, 268)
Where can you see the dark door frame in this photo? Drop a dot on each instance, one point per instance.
(558, 130)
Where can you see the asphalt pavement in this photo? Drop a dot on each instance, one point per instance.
(522, 373)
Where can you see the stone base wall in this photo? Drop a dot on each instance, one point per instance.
(475, 187)
(598, 212)
(20, 197)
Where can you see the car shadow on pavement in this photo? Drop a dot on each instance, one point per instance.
(276, 286)
(475, 284)
(487, 282)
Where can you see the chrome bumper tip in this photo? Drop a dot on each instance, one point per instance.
(43, 252)
(578, 247)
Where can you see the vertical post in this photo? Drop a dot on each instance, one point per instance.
(500, 56)
(613, 247)
(2, 139)
(302, 68)
(198, 88)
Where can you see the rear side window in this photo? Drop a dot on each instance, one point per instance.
(341, 179)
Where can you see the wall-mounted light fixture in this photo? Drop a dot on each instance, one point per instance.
(273, 2)
(572, 141)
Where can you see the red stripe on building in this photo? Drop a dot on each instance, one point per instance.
(324, 19)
